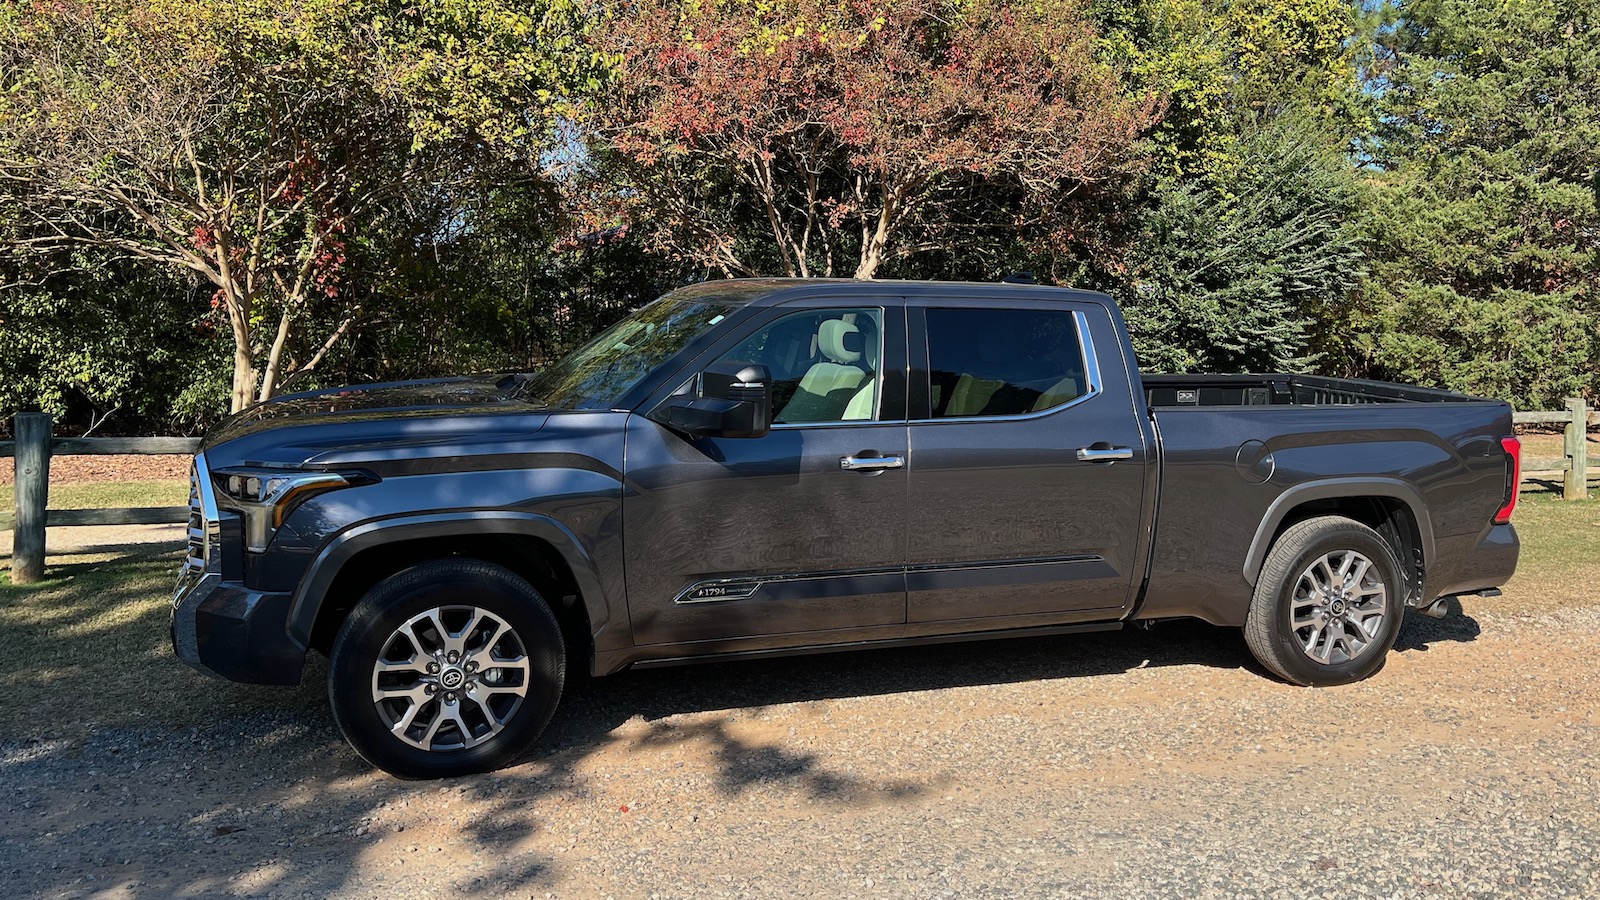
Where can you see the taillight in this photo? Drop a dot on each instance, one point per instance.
(1513, 448)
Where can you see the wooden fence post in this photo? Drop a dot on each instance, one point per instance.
(1575, 484)
(33, 494)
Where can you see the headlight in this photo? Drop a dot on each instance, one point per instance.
(265, 497)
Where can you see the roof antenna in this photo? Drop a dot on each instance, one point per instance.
(1020, 278)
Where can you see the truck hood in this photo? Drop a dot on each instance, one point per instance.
(371, 423)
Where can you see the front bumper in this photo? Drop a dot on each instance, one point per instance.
(227, 630)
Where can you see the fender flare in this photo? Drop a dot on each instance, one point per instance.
(313, 588)
(1334, 489)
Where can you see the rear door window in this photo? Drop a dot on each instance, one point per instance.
(1003, 362)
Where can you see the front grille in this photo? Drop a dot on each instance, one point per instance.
(205, 532)
(195, 561)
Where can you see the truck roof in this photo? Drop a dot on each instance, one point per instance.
(769, 291)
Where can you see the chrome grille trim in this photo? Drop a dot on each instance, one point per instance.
(204, 529)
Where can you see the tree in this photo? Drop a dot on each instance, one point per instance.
(856, 133)
(1234, 273)
(1484, 217)
(94, 340)
(248, 141)
(1229, 67)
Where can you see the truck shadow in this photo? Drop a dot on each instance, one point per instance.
(1419, 631)
(599, 704)
(250, 789)
(657, 693)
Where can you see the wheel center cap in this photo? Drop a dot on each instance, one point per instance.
(452, 678)
(1336, 607)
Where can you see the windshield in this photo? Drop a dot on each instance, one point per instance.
(597, 375)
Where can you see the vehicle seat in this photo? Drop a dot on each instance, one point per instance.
(971, 395)
(1061, 392)
(829, 387)
(864, 404)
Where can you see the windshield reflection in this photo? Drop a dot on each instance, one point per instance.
(597, 375)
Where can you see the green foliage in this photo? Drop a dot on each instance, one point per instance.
(1403, 191)
(1233, 273)
(1223, 67)
(1484, 223)
(101, 341)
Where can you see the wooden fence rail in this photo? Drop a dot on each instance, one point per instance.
(34, 446)
(1573, 464)
(32, 449)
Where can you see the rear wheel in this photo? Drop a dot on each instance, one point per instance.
(1328, 603)
(449, 668)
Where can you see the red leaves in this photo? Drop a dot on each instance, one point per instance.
(329, 260)
(970, 85)
(872, 112)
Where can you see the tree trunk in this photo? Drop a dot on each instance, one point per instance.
(269, 376)
(873, 248)
(244, 373)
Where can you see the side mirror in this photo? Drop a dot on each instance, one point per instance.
(735, 402)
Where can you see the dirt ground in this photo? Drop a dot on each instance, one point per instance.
(107, 469)
(1136, 764)
(1133, 764)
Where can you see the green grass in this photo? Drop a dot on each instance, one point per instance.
(110, 495)
(90, 644)
(1560, 538)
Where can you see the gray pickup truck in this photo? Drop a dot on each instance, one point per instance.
(750, 468)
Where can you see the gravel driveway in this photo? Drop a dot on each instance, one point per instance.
(1135, 764)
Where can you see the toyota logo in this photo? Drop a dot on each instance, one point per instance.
(451, 678)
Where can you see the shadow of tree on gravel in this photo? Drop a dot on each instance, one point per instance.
(256, 794)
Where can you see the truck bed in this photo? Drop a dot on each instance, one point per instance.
(1277, 389)
(1239, 450)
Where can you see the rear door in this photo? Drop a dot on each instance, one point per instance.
(1029, 464)
(795, 537)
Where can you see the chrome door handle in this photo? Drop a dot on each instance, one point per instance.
(864, 463)
(1090, 454)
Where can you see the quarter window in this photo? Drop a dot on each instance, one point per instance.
(1003, 362)
(825, 363)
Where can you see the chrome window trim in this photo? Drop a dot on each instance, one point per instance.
(1091, 375)
(785, 426)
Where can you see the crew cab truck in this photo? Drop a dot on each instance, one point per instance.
(750, 468)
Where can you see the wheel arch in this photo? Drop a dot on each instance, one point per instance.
(536, 547)
(1393, 508)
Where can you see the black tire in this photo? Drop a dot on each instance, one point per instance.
(1269, 627)
(456, 586)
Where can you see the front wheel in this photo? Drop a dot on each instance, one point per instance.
(1328, 603)
(448, 668)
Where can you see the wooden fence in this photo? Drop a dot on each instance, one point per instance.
(32, 449)
(34, 446)
(1573, 464)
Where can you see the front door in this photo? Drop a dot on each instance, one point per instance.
(1029, 465)
(798, 536)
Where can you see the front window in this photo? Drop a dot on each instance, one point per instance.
(825, 364)
(597, 375)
